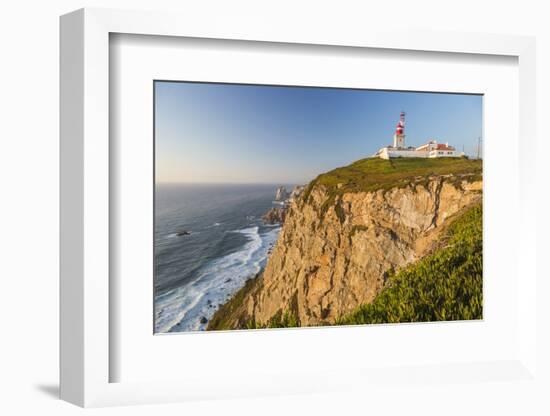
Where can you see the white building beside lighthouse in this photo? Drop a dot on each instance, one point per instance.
(431, 149)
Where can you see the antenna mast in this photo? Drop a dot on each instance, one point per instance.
(479, 147)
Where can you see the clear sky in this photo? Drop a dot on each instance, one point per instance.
(231, 133)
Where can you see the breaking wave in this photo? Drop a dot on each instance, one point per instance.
(186, 308)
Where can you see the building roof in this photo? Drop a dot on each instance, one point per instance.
(444, 147)
(437, 146)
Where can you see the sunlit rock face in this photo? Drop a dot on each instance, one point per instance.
(334, 253)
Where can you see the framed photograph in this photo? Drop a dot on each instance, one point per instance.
(288, 206)
(264, 211)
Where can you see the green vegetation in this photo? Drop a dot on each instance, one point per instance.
(235, 307)
(372, 174)
(444, 286)
(233, 314)
(281, 319)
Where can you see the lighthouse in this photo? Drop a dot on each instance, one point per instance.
(399, 136)
(431, 149)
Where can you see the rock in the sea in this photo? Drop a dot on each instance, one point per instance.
(296, 192)
(275, 215)
(281, 194)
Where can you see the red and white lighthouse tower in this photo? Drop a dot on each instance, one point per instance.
(399, 136)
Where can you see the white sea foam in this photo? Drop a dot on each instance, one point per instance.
(182, 309)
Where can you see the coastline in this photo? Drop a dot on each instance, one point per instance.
(235, 308)
(219, 290)
(422, 206)
(234, 314)
(226, 246)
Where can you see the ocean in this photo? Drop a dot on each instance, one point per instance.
(227, 243)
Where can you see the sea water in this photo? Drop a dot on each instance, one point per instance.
(227, 244)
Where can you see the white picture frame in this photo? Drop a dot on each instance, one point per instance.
(85, 211)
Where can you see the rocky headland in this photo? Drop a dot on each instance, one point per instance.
(275, 215)
(347, 233)
(281, 194)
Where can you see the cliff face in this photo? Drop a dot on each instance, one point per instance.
(281, 194)
(275, 215)
(334, 252)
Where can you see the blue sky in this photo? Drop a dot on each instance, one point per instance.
(231, 133)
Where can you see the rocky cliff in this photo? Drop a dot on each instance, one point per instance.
(275, 215)
(338, 245)
(281, 194)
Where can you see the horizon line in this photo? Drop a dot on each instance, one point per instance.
(232, 183)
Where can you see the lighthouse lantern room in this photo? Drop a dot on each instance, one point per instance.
(399, 136)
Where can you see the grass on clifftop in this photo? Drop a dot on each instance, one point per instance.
(373, 173)
(444, 286)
